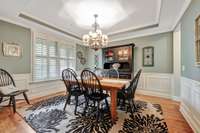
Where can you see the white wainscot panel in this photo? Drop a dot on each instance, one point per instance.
(190, 102)
(46, 88)
(37, 89)
(21, 81)
(155, 84)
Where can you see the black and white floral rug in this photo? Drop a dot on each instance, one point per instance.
(48, 117)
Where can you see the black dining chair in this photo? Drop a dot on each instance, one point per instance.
(94, 91)
(73, 71)
(128, 94)
(113, 73)
(100, 72)
(7, 83)
(73, 87)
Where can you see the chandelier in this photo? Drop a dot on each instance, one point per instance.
(95, 39)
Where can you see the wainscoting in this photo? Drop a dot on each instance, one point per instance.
(38, 89)
(190, 102)
(156, 84)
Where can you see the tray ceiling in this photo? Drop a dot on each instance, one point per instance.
(117, 18)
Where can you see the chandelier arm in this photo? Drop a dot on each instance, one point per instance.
(95, 40)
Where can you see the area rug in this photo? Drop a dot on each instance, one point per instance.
(48, 116)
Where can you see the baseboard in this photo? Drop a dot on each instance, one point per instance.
(44, 93)
(186, 112)
(176, 98)
(153, 93)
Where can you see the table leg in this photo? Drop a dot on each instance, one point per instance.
(114, 105)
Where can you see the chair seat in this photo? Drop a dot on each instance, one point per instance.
(97, 96)
(77, 92)
(15, 93)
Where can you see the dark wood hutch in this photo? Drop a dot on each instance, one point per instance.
(120, 54)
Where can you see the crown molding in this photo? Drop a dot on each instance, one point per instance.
(159, 9)
(23, 25)
(180, 15)
(135, 29)
(14, 22)
(142, 35)
(45, 24)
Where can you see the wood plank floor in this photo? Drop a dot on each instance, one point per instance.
(13, 123)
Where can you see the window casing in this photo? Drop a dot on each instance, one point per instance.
(50, 58)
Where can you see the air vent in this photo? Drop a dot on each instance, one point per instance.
(29, 18)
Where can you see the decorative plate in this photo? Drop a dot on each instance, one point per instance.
(79, 54)
(83, 61)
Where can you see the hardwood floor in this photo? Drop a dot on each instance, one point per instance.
(175, 121)
(14, 123)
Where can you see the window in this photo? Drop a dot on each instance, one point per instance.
(50, 58)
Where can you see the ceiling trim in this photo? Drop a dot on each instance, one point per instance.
(32, 19)
(131, 29)
(159, 9)
(142, 35)
(14, 22)
(180, 15)
(136, 29)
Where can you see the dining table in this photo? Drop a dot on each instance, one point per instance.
(112, 85)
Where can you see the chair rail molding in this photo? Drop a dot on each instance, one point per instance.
(190, 102)
(156, 84)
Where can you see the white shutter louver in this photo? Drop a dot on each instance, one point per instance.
(50, 58)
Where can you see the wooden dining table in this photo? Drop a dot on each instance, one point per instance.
(113, 86)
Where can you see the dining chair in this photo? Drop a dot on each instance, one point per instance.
(73, 71)
(73, 87)
(128, 94)
(94, 91)
(100, 72)
(113, 73)
(8, 89)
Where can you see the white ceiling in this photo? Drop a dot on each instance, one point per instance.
(120, 19)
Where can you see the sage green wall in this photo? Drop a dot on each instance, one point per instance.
(14, 33)
(163, 52)
(188, 41)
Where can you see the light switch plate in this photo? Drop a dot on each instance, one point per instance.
(183, 68)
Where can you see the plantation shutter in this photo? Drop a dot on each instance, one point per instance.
(51, 58)
(40, 69)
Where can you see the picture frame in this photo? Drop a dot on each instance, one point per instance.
(11, 49)
(197, 41)
(148, 56)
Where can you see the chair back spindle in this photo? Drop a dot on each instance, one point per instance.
(70, 80)
(72, 70)
(5, 78)
(91, 82)
(113, 73)
(133, 85)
